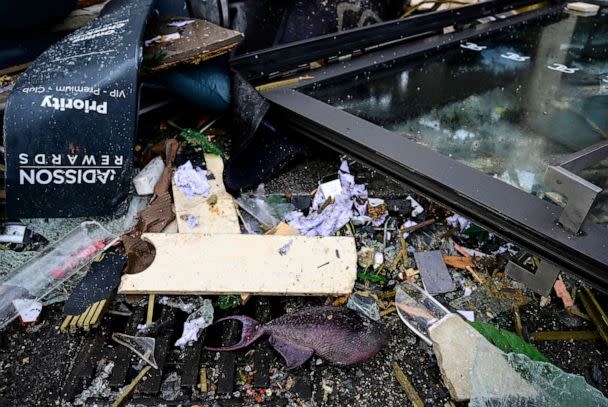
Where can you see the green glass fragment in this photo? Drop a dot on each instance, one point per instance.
(507, 341)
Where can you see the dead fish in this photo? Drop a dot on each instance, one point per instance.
(339, 335)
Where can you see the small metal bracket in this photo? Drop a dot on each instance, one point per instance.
(580, 193)
(540, 281)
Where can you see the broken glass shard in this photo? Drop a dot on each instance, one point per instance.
(143, 346)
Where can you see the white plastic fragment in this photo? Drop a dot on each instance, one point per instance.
(468, 315)
(378, 259)
(198, 320)
(28, 310)
(417, 209)
(147, 178)
(408, 224)
(12, 233)
(457, 221)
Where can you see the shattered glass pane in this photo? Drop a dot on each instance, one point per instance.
(508, 105)
(543, 384)
(364, 305)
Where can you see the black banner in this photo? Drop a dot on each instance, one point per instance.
(70, 122)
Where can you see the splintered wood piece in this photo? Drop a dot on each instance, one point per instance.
(255, 264)
(96, 319)
(64, 325)
(215, 213)
(91, 313)
(129, 389)
(203, 380)
(81, 318)
(150, 314)
(459, 262)
(73, 326)
(197, 41)
(283, 229)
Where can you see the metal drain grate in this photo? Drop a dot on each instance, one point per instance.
(187, 363)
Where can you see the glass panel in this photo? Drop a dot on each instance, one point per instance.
(508, 105)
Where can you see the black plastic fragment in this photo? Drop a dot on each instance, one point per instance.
(98, 284)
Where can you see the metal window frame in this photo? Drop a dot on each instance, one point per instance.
(515, 215)
(266, 63)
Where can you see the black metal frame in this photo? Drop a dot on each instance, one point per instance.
(515, 215)
(264, 63)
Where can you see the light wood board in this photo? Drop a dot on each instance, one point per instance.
(251, 264)
(219, 217)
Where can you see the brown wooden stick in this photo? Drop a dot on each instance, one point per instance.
(418, 226)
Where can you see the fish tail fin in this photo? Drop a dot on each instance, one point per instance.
(252, 330)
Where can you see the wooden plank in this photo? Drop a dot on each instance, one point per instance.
(190, 373)
(83, 368)
(101, 308)
(226, 363)
(65, 324)
(226, 264)
(163, 347)
(216, 213)
(263, 355)
(123, 355)
(91, 313)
